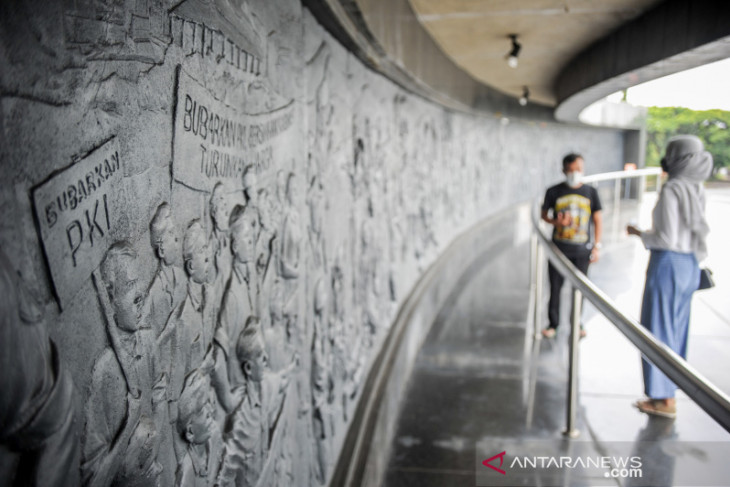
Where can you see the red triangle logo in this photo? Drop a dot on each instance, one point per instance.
(487, 463)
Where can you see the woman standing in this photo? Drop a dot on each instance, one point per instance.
(677, 243)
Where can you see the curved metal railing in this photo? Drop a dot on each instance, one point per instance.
(705, 394)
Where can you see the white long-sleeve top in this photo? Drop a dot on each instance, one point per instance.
(669, 232)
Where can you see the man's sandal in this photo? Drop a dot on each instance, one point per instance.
(657, 407)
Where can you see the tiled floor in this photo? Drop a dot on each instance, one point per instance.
(483, 384)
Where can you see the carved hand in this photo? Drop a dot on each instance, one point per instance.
(134, 411)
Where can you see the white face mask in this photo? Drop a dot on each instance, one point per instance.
(574, 178)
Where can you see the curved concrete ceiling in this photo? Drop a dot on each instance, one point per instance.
(475, 34)
(573, 51)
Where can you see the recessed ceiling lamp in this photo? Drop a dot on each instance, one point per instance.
(525, 96)
(514, 52)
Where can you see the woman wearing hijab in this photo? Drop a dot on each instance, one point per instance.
(677, 243)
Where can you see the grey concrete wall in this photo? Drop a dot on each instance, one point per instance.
(367, 446)
(387, 36)
(348, 187)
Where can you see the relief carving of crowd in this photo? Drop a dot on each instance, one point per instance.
(210, 349)
(202, 370)
(239, 363)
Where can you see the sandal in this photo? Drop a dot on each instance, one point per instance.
(549, 332)
(657, 407)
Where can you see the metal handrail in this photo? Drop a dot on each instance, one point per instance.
(635, 173)
(705, 394)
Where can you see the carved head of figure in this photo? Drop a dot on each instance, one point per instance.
(121, 280)
(196, 253)
(195, 421)
(251, 351)
(244, 230)
(164, 236)
(219, 207)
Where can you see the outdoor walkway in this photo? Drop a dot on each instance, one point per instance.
(483, 384)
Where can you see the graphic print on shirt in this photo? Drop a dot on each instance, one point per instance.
(579, 209)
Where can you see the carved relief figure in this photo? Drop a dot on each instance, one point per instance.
(127, 398)
(322, 386)
(196, 317)
(276, 335)
(348, 342)
(253, 409)
(169, 285)
(289, 256)
(251, 193)
(369, 256)
(36, 393)
(219, 238)
(193, 320)
(291, 237)
(358, 352)
(324, 109)
(257, 202)
(240, 294)
(316, 205)
(265, 242)
(199, 465)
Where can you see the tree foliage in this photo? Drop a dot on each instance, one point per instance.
(712, 126)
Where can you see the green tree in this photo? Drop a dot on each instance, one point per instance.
(712, 126)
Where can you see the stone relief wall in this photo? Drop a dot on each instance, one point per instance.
(211, 212)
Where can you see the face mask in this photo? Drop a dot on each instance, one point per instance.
(574, 178)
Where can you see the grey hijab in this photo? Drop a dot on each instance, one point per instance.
(688, 165)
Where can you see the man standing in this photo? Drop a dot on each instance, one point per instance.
(571, 207)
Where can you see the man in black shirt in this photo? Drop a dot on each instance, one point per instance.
(571, 207)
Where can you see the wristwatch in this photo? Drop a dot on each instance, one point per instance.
(598, 245)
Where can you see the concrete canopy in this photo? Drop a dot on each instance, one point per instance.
(475, 34)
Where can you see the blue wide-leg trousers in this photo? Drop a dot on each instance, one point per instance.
(671, 278)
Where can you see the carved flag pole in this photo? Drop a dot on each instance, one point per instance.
(106, 307)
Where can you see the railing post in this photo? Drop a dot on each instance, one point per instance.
(538, 273)
(616, 205)
(570, 429)
(642, 189)
(533, 281)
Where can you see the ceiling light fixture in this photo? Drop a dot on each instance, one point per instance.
(514, 52)
(525, 96)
